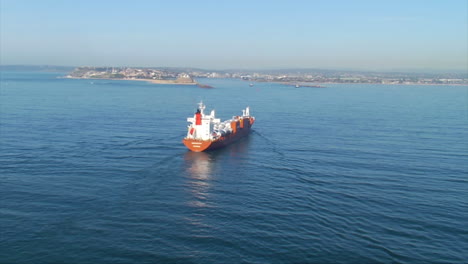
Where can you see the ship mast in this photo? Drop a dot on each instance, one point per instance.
(201, 106)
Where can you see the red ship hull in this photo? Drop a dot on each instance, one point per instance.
(197, 145)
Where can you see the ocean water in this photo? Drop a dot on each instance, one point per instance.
(94, 171)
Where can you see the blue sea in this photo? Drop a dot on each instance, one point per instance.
(94, 171)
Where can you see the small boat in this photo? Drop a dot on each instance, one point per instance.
(251, 84)
(206, 132)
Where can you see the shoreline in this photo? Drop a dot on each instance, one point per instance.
(323, 85)
(146, 80)
(304, 84)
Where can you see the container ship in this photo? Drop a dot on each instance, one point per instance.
(206, 132)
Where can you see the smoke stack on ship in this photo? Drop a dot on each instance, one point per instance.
(206, 132)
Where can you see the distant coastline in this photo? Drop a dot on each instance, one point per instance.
(300, 85)
(145, 80)
(301, 77)
(324, 84)
(293, 77)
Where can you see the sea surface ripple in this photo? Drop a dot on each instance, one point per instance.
(95, 172)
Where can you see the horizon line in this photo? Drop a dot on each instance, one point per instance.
(394, 70)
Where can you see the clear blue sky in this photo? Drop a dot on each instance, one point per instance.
(375, 35)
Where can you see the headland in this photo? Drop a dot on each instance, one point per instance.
(132, 74)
